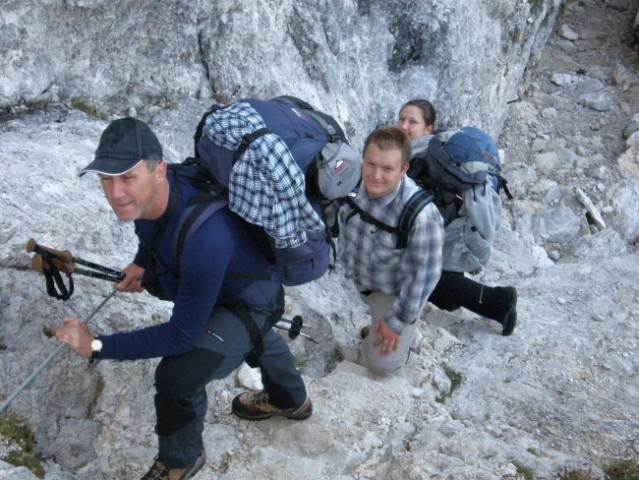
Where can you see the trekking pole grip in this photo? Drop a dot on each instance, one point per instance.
(39, 265)
(63, 255)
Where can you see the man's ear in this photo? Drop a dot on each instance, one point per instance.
(405, 168)
(160, 170)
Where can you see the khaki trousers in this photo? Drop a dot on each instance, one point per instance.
(369, 356)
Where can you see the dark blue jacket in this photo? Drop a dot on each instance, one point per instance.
(219, 246)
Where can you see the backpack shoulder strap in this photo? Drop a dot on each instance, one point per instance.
(410, 211)
(368, 218)
(199, 209)
(412, 208)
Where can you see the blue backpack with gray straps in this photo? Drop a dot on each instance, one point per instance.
(490, 154)
(462, 170)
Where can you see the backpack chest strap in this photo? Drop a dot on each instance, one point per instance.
(410, 211)
(368, 218)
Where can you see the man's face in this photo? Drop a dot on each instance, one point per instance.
(382, 170)
(136, 194)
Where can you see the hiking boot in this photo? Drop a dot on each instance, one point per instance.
(254, 405)
(509, 320)
(159, 471)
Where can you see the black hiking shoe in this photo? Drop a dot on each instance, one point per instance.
(159, 471)
(254, 405)
(510, 319)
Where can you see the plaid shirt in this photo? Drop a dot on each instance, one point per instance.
(370, 258)
(266, 187)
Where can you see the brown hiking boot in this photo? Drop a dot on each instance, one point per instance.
(159, 471)
(254, 405)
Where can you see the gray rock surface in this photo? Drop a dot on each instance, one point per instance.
(359, 60)
(561, 393)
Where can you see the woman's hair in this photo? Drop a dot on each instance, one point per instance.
(428, 111)
(390, 138)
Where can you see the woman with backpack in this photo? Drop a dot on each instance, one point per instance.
(454, 290)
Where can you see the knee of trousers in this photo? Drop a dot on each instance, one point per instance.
(177, 400)
(383, 369)
(172, 415)
(381, 365)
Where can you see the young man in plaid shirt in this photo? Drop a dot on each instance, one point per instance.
(395, 282)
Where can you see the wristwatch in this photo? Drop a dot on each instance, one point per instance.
(96, 348)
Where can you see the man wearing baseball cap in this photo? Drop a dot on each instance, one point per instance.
(222, 315)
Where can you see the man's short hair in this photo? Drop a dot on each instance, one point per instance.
(390, 138)
(152, 163)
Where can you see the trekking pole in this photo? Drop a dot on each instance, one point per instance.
(39, 265)
(52, 262)
(65, 257)
(48, 360)
(295, 329)
(294, 335)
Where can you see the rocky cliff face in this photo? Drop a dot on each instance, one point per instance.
(357, 59)
(559, 395)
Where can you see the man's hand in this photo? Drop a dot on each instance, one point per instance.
(76, 334)
(386, 338)
(132, 282)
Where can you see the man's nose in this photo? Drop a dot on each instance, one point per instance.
(117, 188)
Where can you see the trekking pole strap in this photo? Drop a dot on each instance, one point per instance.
(48, 360)
(51, 267)
(53, 278)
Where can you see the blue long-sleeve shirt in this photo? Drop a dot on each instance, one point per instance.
(220, 246)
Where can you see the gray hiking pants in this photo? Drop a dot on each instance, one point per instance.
(369, 355)
(180, 381)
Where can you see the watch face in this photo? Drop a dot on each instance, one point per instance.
(96, 345)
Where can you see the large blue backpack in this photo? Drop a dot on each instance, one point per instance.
(306, 132)
(462, 170)
(452, 162)
(490, 153)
